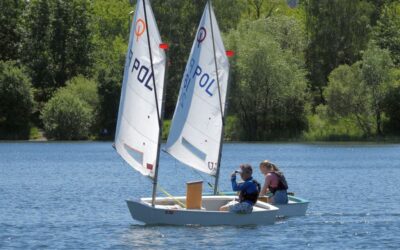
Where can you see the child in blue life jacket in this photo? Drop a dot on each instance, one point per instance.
(249, 190)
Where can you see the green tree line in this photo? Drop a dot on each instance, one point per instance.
(303, 69)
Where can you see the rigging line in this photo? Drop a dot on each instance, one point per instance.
(171, 196)
(151, 65)
(220, 102)
(158, 111)
(215, 63)
(202, 177)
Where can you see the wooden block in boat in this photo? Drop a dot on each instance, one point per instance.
(194, 195)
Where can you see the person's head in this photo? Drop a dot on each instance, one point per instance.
(246, 171)
(267, 166)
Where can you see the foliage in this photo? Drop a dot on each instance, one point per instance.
(232, 130)
(376, 72)
(111, 18)
(338, 31)
(387, 31)
(360, 90)
(270, 87)
(10, 30)
(391, 107)
(348, 98)
(84, 89)
(165, 131)
(16, 101)
(379, 6)
(111, 22)
(285, 30)
(109, 89)
(57, 44)
(66, 117)
(35, 134)
(256, 9)
(62, 44)
(321, 127)
(36, 48)
(71, 112)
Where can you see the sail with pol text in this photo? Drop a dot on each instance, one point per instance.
(197, 124)
(139, 116)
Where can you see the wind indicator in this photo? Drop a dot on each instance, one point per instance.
(230, 53)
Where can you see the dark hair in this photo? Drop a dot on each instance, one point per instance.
(246, 168)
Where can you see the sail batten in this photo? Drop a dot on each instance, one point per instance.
(138, 125)
(197, 124)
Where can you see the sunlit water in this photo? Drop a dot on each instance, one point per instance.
(72, 196)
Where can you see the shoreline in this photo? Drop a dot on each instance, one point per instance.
(394, 140)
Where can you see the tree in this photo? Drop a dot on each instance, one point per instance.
(270, 91)
(338, 31)
(71, 41)
(85, 90)
(257, 4)
(348, 98)
(10, 30)
(57, 44)
(391, 107)
(111, 22)
(109, 88)
(78, 98)
(379, 6)
(259, 9)
(66, 117)
(287, 31)
(111, 19)
(376, 72)
(16, 101)
(360, 90)
(36, 54)
(387, 31)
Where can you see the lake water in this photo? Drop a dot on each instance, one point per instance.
(72, 196)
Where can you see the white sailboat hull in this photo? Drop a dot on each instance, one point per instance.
(165, 212)
(296, 207)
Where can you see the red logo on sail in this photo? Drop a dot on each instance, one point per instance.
(149, 166)
(140, 28)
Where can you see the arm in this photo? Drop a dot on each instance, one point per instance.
(235, 185)
(264, 189)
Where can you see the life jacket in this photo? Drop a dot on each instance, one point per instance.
(282, 183)
(244, 196)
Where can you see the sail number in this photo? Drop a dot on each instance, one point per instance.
(144, 74)
(195, 71)
(212, 165)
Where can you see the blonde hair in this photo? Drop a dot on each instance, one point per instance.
(269, 165)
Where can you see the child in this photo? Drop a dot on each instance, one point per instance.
(249, 190)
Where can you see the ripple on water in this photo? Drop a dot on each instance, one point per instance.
(72, 196)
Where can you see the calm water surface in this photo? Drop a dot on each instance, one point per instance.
(72, 196)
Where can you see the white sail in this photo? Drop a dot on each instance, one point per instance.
(137, 132)
(195, 133)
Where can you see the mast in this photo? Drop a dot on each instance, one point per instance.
(160, 120)
(222, 109)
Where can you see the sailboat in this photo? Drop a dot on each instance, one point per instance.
(196, 134)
